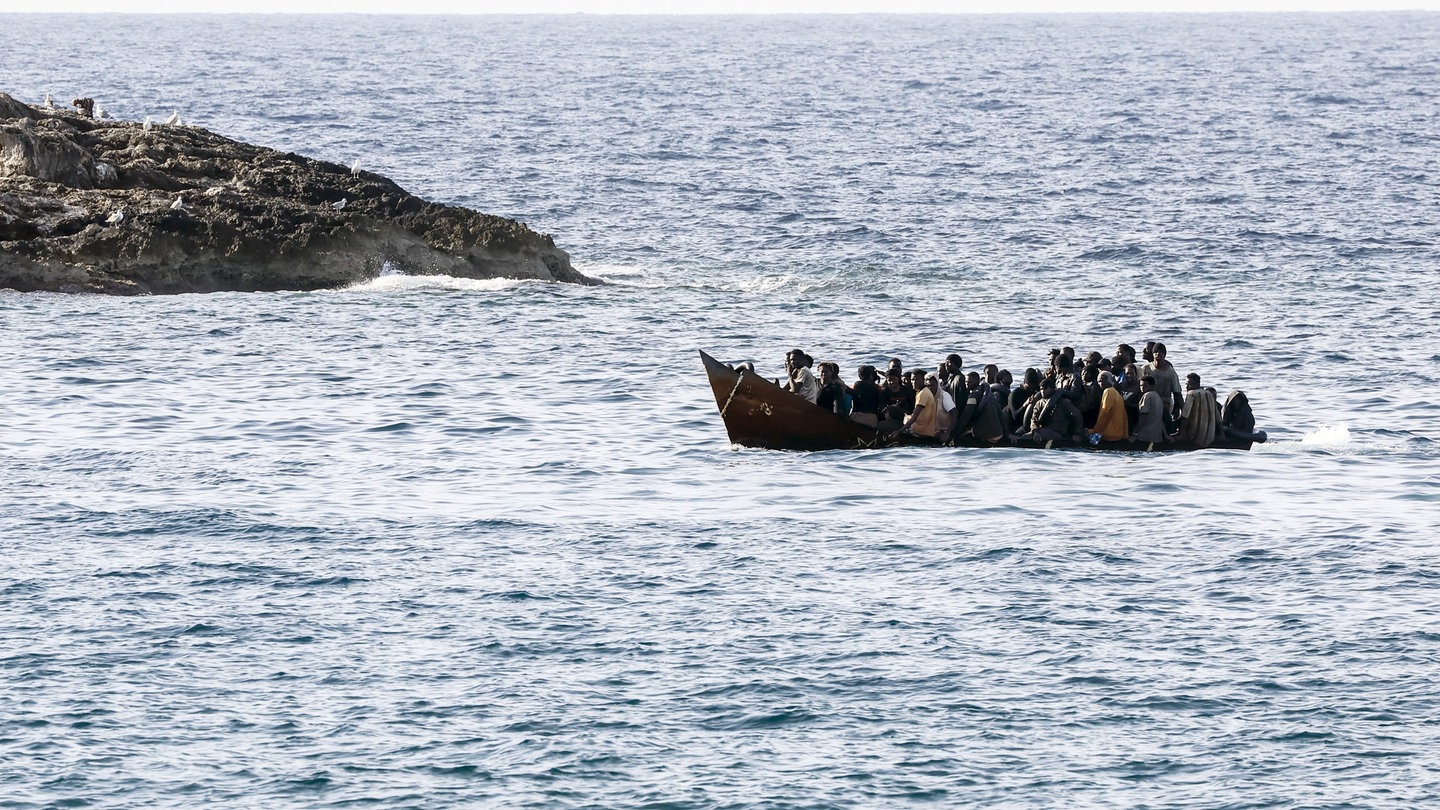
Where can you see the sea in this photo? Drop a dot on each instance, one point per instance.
(438, 542)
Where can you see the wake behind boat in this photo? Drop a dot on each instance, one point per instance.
(759, 413)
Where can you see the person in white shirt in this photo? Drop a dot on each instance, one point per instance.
(801, 379)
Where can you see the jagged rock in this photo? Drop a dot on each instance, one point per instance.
(90, 206)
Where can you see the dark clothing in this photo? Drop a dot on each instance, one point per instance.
(865, 398)
(832, 398)
(1056, 418)
(1089, 403)
(965, 413)
(1016, 401)
(989, 420)
(899, 402)
(955, 387)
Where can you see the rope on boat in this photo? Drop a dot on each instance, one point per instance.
(733, 391)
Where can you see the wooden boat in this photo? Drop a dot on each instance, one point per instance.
(759, 413)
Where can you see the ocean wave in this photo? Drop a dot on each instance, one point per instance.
(1327, 436)
(403, 283)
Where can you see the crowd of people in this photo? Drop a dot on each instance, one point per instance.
(1090, 399)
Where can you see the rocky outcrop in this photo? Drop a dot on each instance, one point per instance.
(118, 207)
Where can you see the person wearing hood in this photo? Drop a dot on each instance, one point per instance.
(1112, 424)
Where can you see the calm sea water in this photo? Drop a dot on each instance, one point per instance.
(435, 542)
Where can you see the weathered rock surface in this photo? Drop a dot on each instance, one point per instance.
(91, 206)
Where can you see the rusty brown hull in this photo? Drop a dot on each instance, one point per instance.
(759, 413)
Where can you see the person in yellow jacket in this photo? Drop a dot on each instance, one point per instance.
(1112, 424)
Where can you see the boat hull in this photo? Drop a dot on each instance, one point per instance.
(759, 413)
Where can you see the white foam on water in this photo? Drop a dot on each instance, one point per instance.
(396, 282)
(626, 274)
(1327, 436)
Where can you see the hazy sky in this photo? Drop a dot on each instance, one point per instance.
(724, 6)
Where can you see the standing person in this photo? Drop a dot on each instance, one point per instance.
(1090, 394)
(1167, 383)
(954, 385)
(865, 398)
(801, 381)
(947, 402)
(1124, 356)
(1150, 427)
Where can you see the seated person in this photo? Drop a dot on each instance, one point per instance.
(1053, 417)
(1014, 405)
(865, 398)
(897, 401)
(988, 420)
(1197, 418)
(833, 395)
(1112, 424)
(800, 380)
(1150, 427)
(927, 418)
(1238, 420)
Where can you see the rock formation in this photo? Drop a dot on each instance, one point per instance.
(91, 205)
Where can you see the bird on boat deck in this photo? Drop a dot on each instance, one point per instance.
(116, 218)
(174, 119)
(340, 205)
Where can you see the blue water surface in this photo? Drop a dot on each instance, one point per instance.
(439, 542)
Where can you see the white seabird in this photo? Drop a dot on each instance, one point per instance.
(49, 102)
(148, 125)
(174, 119)
(116, 218)
(355, 167)
(340, 206)
(178, 205)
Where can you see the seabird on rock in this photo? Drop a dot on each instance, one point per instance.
(355, 167)
(116, 218)
(340, 206)
(173, 120)
(49, 102)
(178, 205)
(148, 125)
(100, 112)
